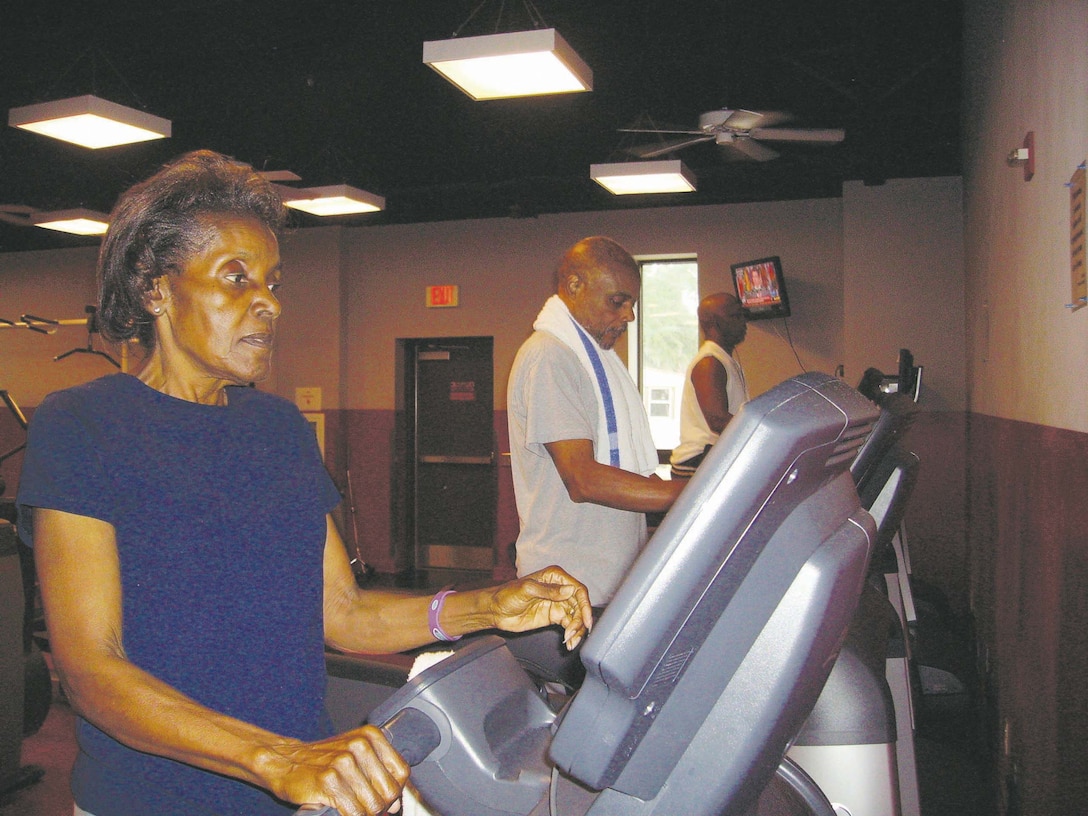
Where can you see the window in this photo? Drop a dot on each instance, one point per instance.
(660, 402)
(667, 333)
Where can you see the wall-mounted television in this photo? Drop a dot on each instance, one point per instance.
(761, 288)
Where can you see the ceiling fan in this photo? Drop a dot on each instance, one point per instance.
(740, 132)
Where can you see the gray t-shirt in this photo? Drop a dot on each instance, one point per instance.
(551, 398)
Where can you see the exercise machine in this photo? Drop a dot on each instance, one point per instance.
(707, 664)
(865, 718)
(942, 657)
(885, 473)
(24, 674)
(15, 674)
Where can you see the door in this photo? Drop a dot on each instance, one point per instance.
(455, 475)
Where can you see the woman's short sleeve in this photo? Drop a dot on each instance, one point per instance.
(61, 469)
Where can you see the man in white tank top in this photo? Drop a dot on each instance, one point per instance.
(714, 386)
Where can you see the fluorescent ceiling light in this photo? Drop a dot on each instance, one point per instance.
(77, 222)
(631, 178)
(90, 122)
(338, 199)
(519, 63)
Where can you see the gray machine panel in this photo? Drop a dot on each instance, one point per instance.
(771, 520)
(711, 655)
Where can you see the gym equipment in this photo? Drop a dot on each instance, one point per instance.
(926, 660)
(885, 474)
(907, 380)
(92, 330)
(13, 775)
(941, 657)
(9, 401)
(858, 742)
(11, 656)
(34, 690)
(706, 664)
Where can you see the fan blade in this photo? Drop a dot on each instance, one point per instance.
(651, 151)
(823, 136)
(660, 130)
(754, 150)
(746, 119)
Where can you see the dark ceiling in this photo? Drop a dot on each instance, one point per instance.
(336, 91)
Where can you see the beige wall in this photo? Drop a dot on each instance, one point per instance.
(57, 285)
(1027, 69)
(1026, 65)
(504, 269)
(903, 292)
(350, 293)
(308, 337)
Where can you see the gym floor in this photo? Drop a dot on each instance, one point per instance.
(52, 750)
(951, 764)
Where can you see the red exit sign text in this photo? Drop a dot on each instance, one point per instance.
(441, 296)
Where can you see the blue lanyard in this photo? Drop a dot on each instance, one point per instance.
(606, 396)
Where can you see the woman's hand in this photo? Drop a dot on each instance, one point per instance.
(549, 596)
(359, 773)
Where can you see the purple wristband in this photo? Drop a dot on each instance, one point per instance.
(434, 609)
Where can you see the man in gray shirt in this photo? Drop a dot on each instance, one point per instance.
(582, 455)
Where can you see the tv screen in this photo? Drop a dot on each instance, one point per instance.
(761, 288)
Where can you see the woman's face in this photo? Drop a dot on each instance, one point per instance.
(218, 314)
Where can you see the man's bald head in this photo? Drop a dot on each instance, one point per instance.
(591, 255)
(599, 282)
(721, 319)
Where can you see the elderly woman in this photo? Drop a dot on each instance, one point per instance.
(189, 569)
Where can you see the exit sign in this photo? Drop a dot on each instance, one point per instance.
(440, 297)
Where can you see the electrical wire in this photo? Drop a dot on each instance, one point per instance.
(789, 340)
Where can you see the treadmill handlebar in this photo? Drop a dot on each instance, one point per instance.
(411, 732)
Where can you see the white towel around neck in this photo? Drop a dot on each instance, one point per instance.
(633, 438)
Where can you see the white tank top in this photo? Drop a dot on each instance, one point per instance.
(695, 434)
